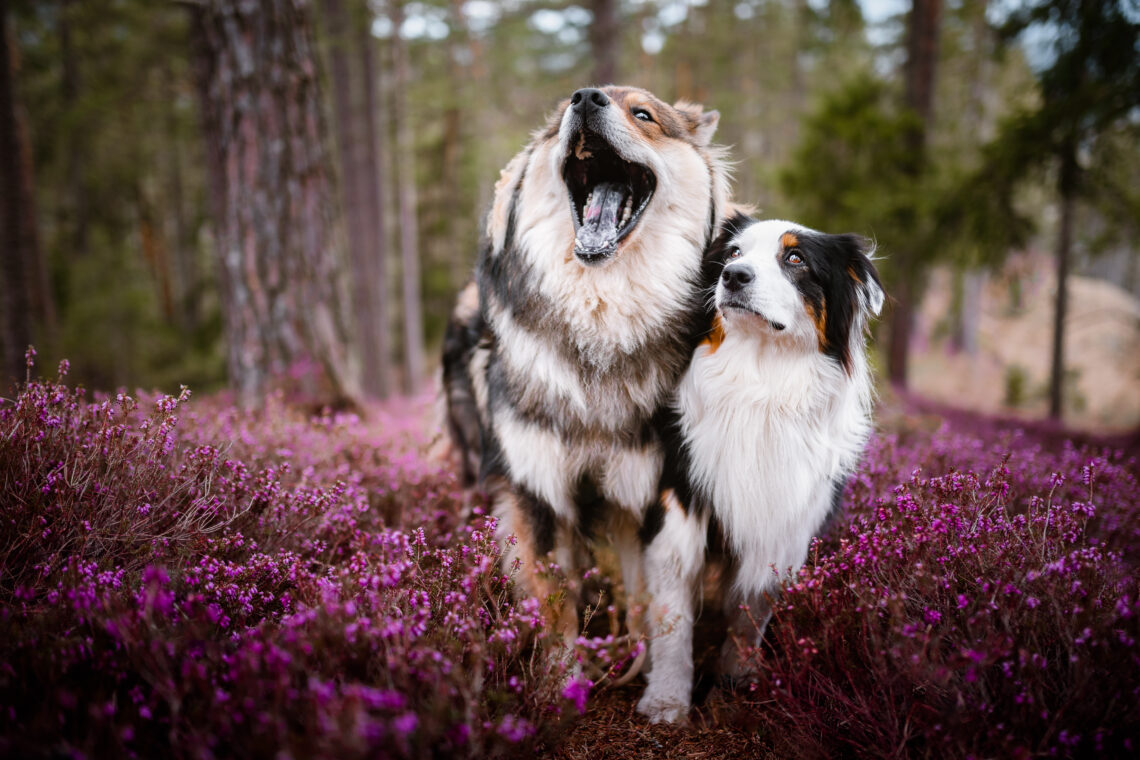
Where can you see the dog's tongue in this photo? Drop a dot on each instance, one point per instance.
(601, 218)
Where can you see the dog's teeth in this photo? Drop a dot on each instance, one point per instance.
(627, 212)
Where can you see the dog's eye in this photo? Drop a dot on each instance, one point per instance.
(641, 113)
(734, 253)
(793, 257)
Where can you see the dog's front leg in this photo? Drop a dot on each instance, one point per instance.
(747, 617)
(532, 536)
(674, 559)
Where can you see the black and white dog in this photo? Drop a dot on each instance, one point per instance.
(768, 421)
(579, 325)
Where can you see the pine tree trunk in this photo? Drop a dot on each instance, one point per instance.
(406, 198)
(281, 272)
(902, 319)
(178, 231)
(1066, 185)
(352, 137)
(344, 120)
(76, 142)
(40, 298)
(970, 284)
(15, 319)
(604, 38)
(922, 55)
(458, 43)
(376, 328)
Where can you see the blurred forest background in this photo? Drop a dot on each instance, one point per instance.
(256, 192)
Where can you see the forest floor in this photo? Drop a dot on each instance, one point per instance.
(1008, 371)
(180, 576)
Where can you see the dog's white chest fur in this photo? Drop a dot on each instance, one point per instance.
(769, 432)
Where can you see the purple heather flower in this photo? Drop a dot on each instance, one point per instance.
(578, 691)
(406, 723)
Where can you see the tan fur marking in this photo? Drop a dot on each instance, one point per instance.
(715, 336)
(819, 319)
(789, 240)
(467, 304)
(854, 275)
(558, 604)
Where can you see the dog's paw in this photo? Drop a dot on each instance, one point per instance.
(663, 708)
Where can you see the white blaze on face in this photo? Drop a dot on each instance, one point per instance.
(765, 298)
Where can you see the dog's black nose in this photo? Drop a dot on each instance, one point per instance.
(735, 278)
(588, 99)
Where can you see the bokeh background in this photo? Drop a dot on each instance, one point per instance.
(237, 194)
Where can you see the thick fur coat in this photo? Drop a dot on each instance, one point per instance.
(580, 322)
(767, 423)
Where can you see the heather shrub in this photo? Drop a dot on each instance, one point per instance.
(983, 607)
(258, 583)
(192, 579)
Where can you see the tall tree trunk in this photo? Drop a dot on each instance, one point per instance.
(15, 320)
(282, 275)
(372, 288)
(376, 331)
(458, 71)
(40, 297)
(406, 198)
(969, 284)
(1067, 190)
(604, 38)
(178, 232)
(902, 320)
(352, 136)
(76, 143)
(969, 287)
(922, 55)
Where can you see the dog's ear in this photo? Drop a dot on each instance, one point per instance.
(702, 124)
(498, 220)
(861, 269)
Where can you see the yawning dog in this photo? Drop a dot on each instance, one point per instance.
(579, 324)
(767, 423)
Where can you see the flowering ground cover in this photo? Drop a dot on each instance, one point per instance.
(181, 577)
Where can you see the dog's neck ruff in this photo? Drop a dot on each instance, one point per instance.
(754, 410)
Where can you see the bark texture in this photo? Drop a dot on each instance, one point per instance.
(406, 202)
(283, 290)
(15, 319)
(922, 56)
(372, 267)
(1067, 191)
(604, 36)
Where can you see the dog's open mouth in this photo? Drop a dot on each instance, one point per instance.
(608, 195)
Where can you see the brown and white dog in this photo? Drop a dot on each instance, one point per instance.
(580, 321)
(768, 421)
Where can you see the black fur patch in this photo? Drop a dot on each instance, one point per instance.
(540, 518)
(716, 255)
(831, 284)
(460, 339)
(652, 523)
(591, 505)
